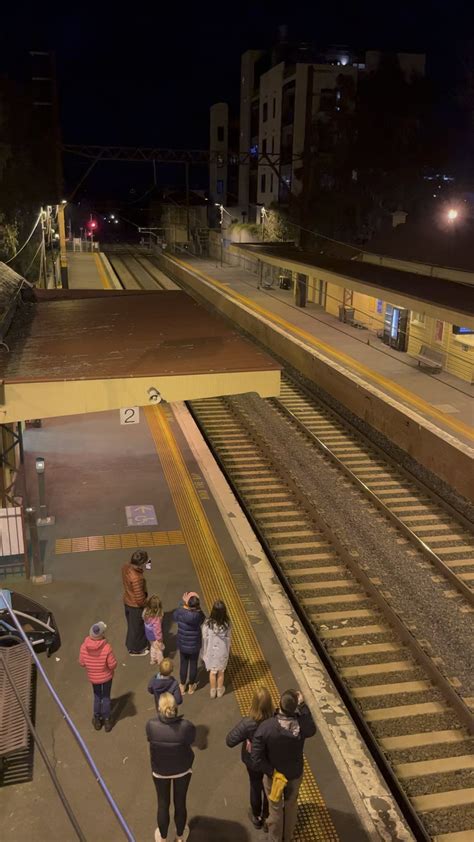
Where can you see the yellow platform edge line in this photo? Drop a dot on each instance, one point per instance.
(408, 396)
(247, 666)
(102, 273)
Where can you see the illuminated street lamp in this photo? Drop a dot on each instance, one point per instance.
(453, 214)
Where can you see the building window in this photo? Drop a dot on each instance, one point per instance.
(220, 134)
(418, 318)
(273, 145)
(265, 112)
(264, 146)
(262, 183)
(439, 330)
(274, 107)
(271, 182)
(220, 186)
(379, 306)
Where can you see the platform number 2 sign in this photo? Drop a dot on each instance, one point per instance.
(130, 415)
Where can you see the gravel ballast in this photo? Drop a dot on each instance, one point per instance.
(407, 578)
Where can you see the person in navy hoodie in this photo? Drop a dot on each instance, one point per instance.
(164, 682)
(189, 618)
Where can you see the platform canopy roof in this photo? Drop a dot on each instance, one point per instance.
(449, 301)
(77, 351)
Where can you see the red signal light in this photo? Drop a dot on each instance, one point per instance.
(92, 224)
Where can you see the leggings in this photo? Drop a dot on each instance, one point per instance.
(163, 792)
(188, 662)
(258, 798)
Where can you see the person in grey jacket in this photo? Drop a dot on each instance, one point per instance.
(215, 650)
(170, 737)
(243, 733)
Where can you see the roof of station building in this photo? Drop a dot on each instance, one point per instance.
(92, 350)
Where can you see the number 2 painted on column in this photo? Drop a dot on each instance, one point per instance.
(130, 415)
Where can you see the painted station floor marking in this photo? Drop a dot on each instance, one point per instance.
(118, 541)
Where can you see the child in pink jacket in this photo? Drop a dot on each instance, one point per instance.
(152, 618)
(100, 663)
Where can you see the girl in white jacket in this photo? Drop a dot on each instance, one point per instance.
(216, 634)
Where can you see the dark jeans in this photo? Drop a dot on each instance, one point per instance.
(136, 639)
(188, 662)
(163, 792)
(258, 799)
(102, 699)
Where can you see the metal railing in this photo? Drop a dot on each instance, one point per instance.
(75, 733)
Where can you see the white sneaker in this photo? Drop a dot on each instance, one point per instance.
(158, 836)
(213, 692)
(220, 692)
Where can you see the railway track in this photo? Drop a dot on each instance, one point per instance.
(443, 535)
(135, 271)
(418, 727)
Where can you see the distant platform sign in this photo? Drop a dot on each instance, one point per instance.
(141, 515)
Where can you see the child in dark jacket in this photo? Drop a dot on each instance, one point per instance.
(164, 682)
(189, 618)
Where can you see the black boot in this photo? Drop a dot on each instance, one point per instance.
(97, 722)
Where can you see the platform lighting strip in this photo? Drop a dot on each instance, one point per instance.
(248, 669)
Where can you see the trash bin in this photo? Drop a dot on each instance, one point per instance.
(346, 314)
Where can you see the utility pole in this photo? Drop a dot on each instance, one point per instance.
(62, 246)
(188, 229)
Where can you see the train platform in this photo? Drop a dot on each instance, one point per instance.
(442, 399)
(88, 270)
(116, 487)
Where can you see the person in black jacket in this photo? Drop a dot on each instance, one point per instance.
(277, 746)
(260, 709)
(171, 737)
(189, 618)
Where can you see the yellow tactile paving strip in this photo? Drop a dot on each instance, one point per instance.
(102, 273)
(119, 541)
(247, 667)
(391, 387)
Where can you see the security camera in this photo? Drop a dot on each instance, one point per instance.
(153, 395)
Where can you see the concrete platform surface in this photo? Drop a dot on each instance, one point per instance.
(445, 400)
(94, 469)
(84, 270)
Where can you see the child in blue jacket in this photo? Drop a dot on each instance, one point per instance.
(189, 618)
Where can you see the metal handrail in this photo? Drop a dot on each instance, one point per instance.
(88, 757)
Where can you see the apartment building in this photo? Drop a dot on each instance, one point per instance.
(289, 98)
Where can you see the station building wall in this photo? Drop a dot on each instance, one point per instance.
(458, 350)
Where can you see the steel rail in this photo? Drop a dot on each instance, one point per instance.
(438, 562)
(357, 570)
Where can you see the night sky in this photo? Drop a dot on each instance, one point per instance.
(148, 75)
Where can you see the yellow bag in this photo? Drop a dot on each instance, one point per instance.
(278, 785)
